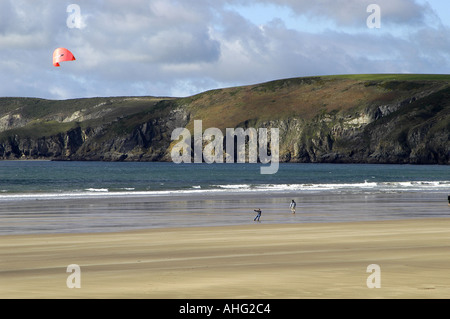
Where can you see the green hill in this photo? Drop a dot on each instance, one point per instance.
(381, 118)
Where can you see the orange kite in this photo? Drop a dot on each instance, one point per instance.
(61, 55)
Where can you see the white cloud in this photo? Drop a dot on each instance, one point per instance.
(181, 47)
(353, 12)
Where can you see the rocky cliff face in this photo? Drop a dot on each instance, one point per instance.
(321, 120)
(147, 141)
(415, 130)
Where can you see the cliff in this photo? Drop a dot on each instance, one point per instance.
(332, 119)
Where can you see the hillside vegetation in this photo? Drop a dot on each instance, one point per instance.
(342, 119)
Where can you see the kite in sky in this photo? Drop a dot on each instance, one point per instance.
(61, 55)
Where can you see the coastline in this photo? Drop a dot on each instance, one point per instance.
(264, 261)
(116, 213)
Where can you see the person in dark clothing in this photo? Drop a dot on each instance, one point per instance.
(258, 216)
(292, 206)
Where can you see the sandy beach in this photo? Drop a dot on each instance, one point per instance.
(269, 261)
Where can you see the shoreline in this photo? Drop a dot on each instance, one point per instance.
(111, 214)
(264, 261)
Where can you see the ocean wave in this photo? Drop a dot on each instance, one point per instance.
(366, 187)
(356, 187)
(103, 190)
(236, 186)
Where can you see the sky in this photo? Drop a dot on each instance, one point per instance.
(183, 47)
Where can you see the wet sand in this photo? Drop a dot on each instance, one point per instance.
(92, 214)
(258, 260)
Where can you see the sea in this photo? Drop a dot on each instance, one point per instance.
(49, 179)
(73, 197)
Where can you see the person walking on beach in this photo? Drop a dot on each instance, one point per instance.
(258, 216)
(292, 206)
